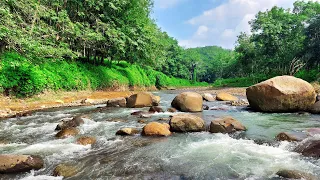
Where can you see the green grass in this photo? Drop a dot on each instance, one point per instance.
(22, 77)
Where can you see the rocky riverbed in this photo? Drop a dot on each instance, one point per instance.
(251, 154)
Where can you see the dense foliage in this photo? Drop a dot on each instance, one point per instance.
(281, 42)
(96, 44)
(79, 44)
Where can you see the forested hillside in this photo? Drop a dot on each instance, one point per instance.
(281, 42)
(72, 45)
(97, 44)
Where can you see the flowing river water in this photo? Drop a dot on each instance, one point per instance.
(247, 155)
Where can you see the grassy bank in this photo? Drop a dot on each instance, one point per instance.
(24, 77)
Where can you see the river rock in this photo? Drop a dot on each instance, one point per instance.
(75, 122)
(226, 97)
(141, 121)
(139, 100)
(295, 174)
(309, 147)
(188, 102)
(172, 110)
(208, 97)
(226, 125)
(240, 102)
(281, 94)
(86, 140)
(291, 136)
(127, 132)
(186, 123)
(155, 100)
(315, 109)
(67, 132)
(205, 107)
(156, 109)
(65, 170)
(20, 163)
(118, 102)
(156, 129)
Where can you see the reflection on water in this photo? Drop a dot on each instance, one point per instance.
(181, 156)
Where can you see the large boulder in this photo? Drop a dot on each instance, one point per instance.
(186, 123)
(188, 102)
(19, 163)
(127, 132)
(139, 100)
(281, 94)
(86, 140)
(208, 97)
(118, 102)
(310, 148)
(226, 97)
(295, 174)
(226, 125)
(315, 109)
(156, 129)
(67, 132)
(75, 122)
(65, 170)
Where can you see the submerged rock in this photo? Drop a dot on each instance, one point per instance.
(205, 107)
(226, 97)
(139, 100)
(313, 131)
(118, 102)
(156, 109)
(172, 110)
(281, 94)
(20, 163)
(141, 121)
(65, 170)
(309, 147)
(291, 136)
(142, 114)
(226, 125)
(188, 102)
(127, 132)
(86, 140)
(295, 174)
(186, 123)
(315, 109)
(75, 122)
(208, 97)
(156, 129)
(67, 132)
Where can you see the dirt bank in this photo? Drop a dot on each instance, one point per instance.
(10, 107)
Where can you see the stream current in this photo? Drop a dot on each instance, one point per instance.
(251, 155)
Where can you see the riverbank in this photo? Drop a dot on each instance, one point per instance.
(10, 107)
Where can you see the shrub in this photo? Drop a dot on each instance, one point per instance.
(19, 76)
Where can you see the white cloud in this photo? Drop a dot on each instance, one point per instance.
(221, 25)
(165, 4)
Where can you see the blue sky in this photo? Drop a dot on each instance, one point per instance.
(197, 23)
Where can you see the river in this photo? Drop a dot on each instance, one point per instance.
(246, 155)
